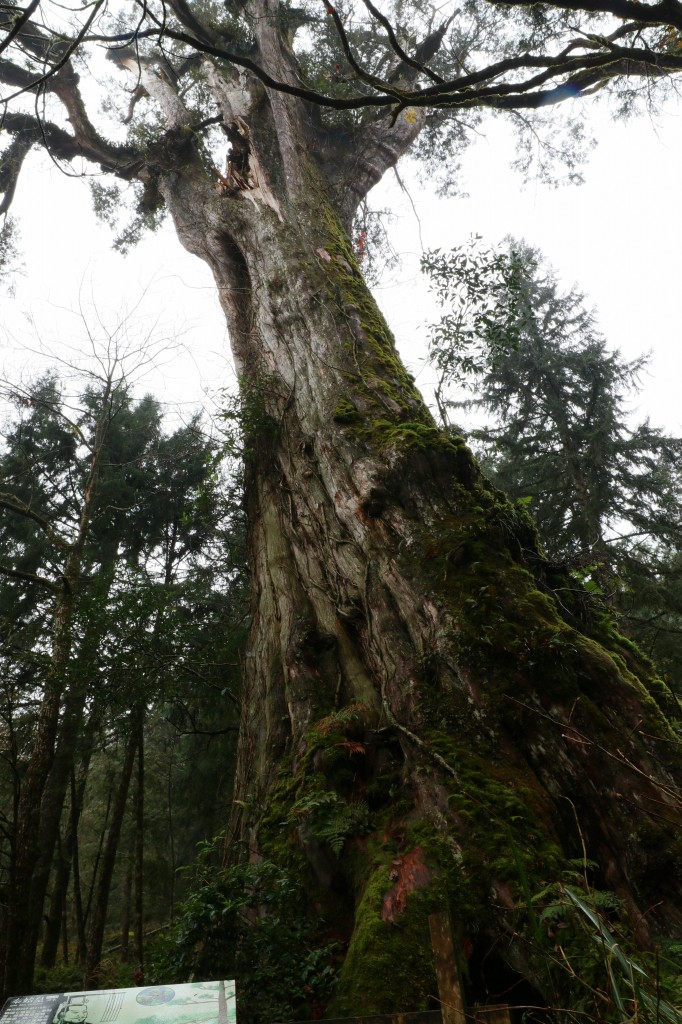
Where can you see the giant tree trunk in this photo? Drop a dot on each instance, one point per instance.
(414, 663)
(492, 721)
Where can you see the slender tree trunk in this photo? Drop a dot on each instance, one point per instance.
(69, 855)
(171, 836)
(396, 594)
(138, 916)
(56, 788)
(18, 967)
(61, 771)
(78, 900)
(65, 929)
(21, 933)
(100, 902)
(125, 910)
(55, 921)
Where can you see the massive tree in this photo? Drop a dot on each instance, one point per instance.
(431, 716)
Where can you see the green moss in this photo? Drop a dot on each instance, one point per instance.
(347, 413)
(379, 378)
(666, 700)
(389, 966)
(504, 816)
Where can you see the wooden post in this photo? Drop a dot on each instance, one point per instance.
(447, 971)
(493, 1014)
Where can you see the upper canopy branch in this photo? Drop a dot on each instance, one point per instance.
(643, 59)
(418, 66)
(667, 12)
(255, 38)
(29, 130)
(42, 44)
(186, 28)
(19, 23)
(30, 577)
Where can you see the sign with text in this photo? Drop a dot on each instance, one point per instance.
(209, 1002)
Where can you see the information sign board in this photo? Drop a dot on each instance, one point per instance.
(210, 1002)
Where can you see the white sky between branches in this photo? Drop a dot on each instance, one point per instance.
(616, 237)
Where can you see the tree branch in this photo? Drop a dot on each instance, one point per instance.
(372, 80)
(186, 17)
(14, 504)
(667, 12)
(20, 78)
(18, 25)
(67, 48)
(27, 129)
(11, 162)
(31, 577)
(405, 58)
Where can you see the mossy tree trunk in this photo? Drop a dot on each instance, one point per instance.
(431, 717)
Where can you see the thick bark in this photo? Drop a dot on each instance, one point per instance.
(410, 650)
(512, 725)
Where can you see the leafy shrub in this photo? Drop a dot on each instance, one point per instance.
(248, 922)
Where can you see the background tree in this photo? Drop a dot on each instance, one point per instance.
(154, 515)
(424, 721)
(605, 493)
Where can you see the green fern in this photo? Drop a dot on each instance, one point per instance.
(331, 819)
(346, 820)
(338, 720)
(313, 802)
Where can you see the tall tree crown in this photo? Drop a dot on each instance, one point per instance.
(360, 83)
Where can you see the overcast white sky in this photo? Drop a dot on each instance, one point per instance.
(616, 237)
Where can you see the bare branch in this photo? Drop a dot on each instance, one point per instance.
(22, 20)
(405, 58)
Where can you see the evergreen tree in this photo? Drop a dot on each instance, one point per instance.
(148, 528)
(605, 493)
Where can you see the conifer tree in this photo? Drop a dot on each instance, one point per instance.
(604, 490)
